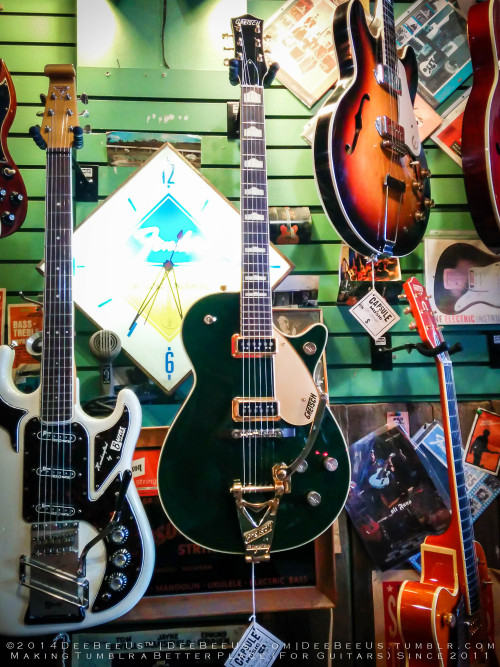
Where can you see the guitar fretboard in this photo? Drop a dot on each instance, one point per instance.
(256, 304)
(389, 36)
(57, 351)
(464, 518)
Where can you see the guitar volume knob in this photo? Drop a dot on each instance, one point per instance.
(313, 498)
(121, 558)
(16, 198)
(331, 463)
(119, 535)
(8, 218)
(116, 581)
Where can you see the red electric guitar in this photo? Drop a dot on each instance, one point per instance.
(481, 123)
(446, 609)
(370, 167)
(13, 200)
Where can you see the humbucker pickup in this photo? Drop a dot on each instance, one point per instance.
(255, 409)
(252, 347)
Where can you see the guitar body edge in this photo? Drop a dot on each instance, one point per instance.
(94, 496)
(348, 158)
(200, 459)
(481, 124)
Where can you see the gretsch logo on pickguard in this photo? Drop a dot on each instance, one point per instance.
(311, 404)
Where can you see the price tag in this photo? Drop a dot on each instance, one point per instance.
(374, 314)
(257, 647)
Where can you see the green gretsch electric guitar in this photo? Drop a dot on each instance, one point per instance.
(255, 461)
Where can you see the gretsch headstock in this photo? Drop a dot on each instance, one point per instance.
(421, 309)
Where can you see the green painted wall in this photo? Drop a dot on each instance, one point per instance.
(123, 73)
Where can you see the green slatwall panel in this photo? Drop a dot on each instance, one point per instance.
(130, 90)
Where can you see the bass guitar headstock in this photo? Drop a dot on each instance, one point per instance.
(249, 67)
(60, 127)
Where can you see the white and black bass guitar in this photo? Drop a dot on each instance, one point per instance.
(76, 548)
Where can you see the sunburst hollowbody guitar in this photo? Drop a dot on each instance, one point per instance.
(369, 163)
(13, 199)
(255, 460)
(446, 609)
(481, 123)
(76, 547)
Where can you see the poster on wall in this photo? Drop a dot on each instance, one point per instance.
(301, 41)
(437, 32)
(461, 279)
(483, 445)
(3, 297)
(165, 238)
(131, 149)
(449, 136)
(24, 320)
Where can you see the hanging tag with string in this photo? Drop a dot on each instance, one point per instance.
(257, 645)
(373, 312)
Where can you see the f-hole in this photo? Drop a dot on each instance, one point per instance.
(350, 148)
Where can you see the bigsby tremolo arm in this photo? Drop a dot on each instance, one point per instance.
(257, 520)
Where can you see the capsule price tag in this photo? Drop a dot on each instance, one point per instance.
(257, 647)
(374, 314)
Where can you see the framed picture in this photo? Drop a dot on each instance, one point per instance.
(483, 447)
(191, 581)
(461, 279)
(293, 321)
(449, 136)
(437, 32)
(165, 238)
(302, 43)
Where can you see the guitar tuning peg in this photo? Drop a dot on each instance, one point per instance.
(84, 98)
(226, 35)
(43, 98)
(407, 310)
(402, 297)
(267, 38)
(84, 113)
(228, 48)
(87, 129)
(39, 113)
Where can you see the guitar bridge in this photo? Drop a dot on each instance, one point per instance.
(50, 573)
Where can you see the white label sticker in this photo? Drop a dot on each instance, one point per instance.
(374, 314)
(257, 647)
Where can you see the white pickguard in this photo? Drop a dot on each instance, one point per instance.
(15, 532)
(407, 118)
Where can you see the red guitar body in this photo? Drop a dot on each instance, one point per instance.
(441, 618)
(13, 199)
(481, 123)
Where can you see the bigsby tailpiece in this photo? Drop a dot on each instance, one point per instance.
(257, 520)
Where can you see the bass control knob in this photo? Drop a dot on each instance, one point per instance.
(121, 558)
(116, 581)
(119, 535)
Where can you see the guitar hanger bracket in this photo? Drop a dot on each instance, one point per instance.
(424, 350)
